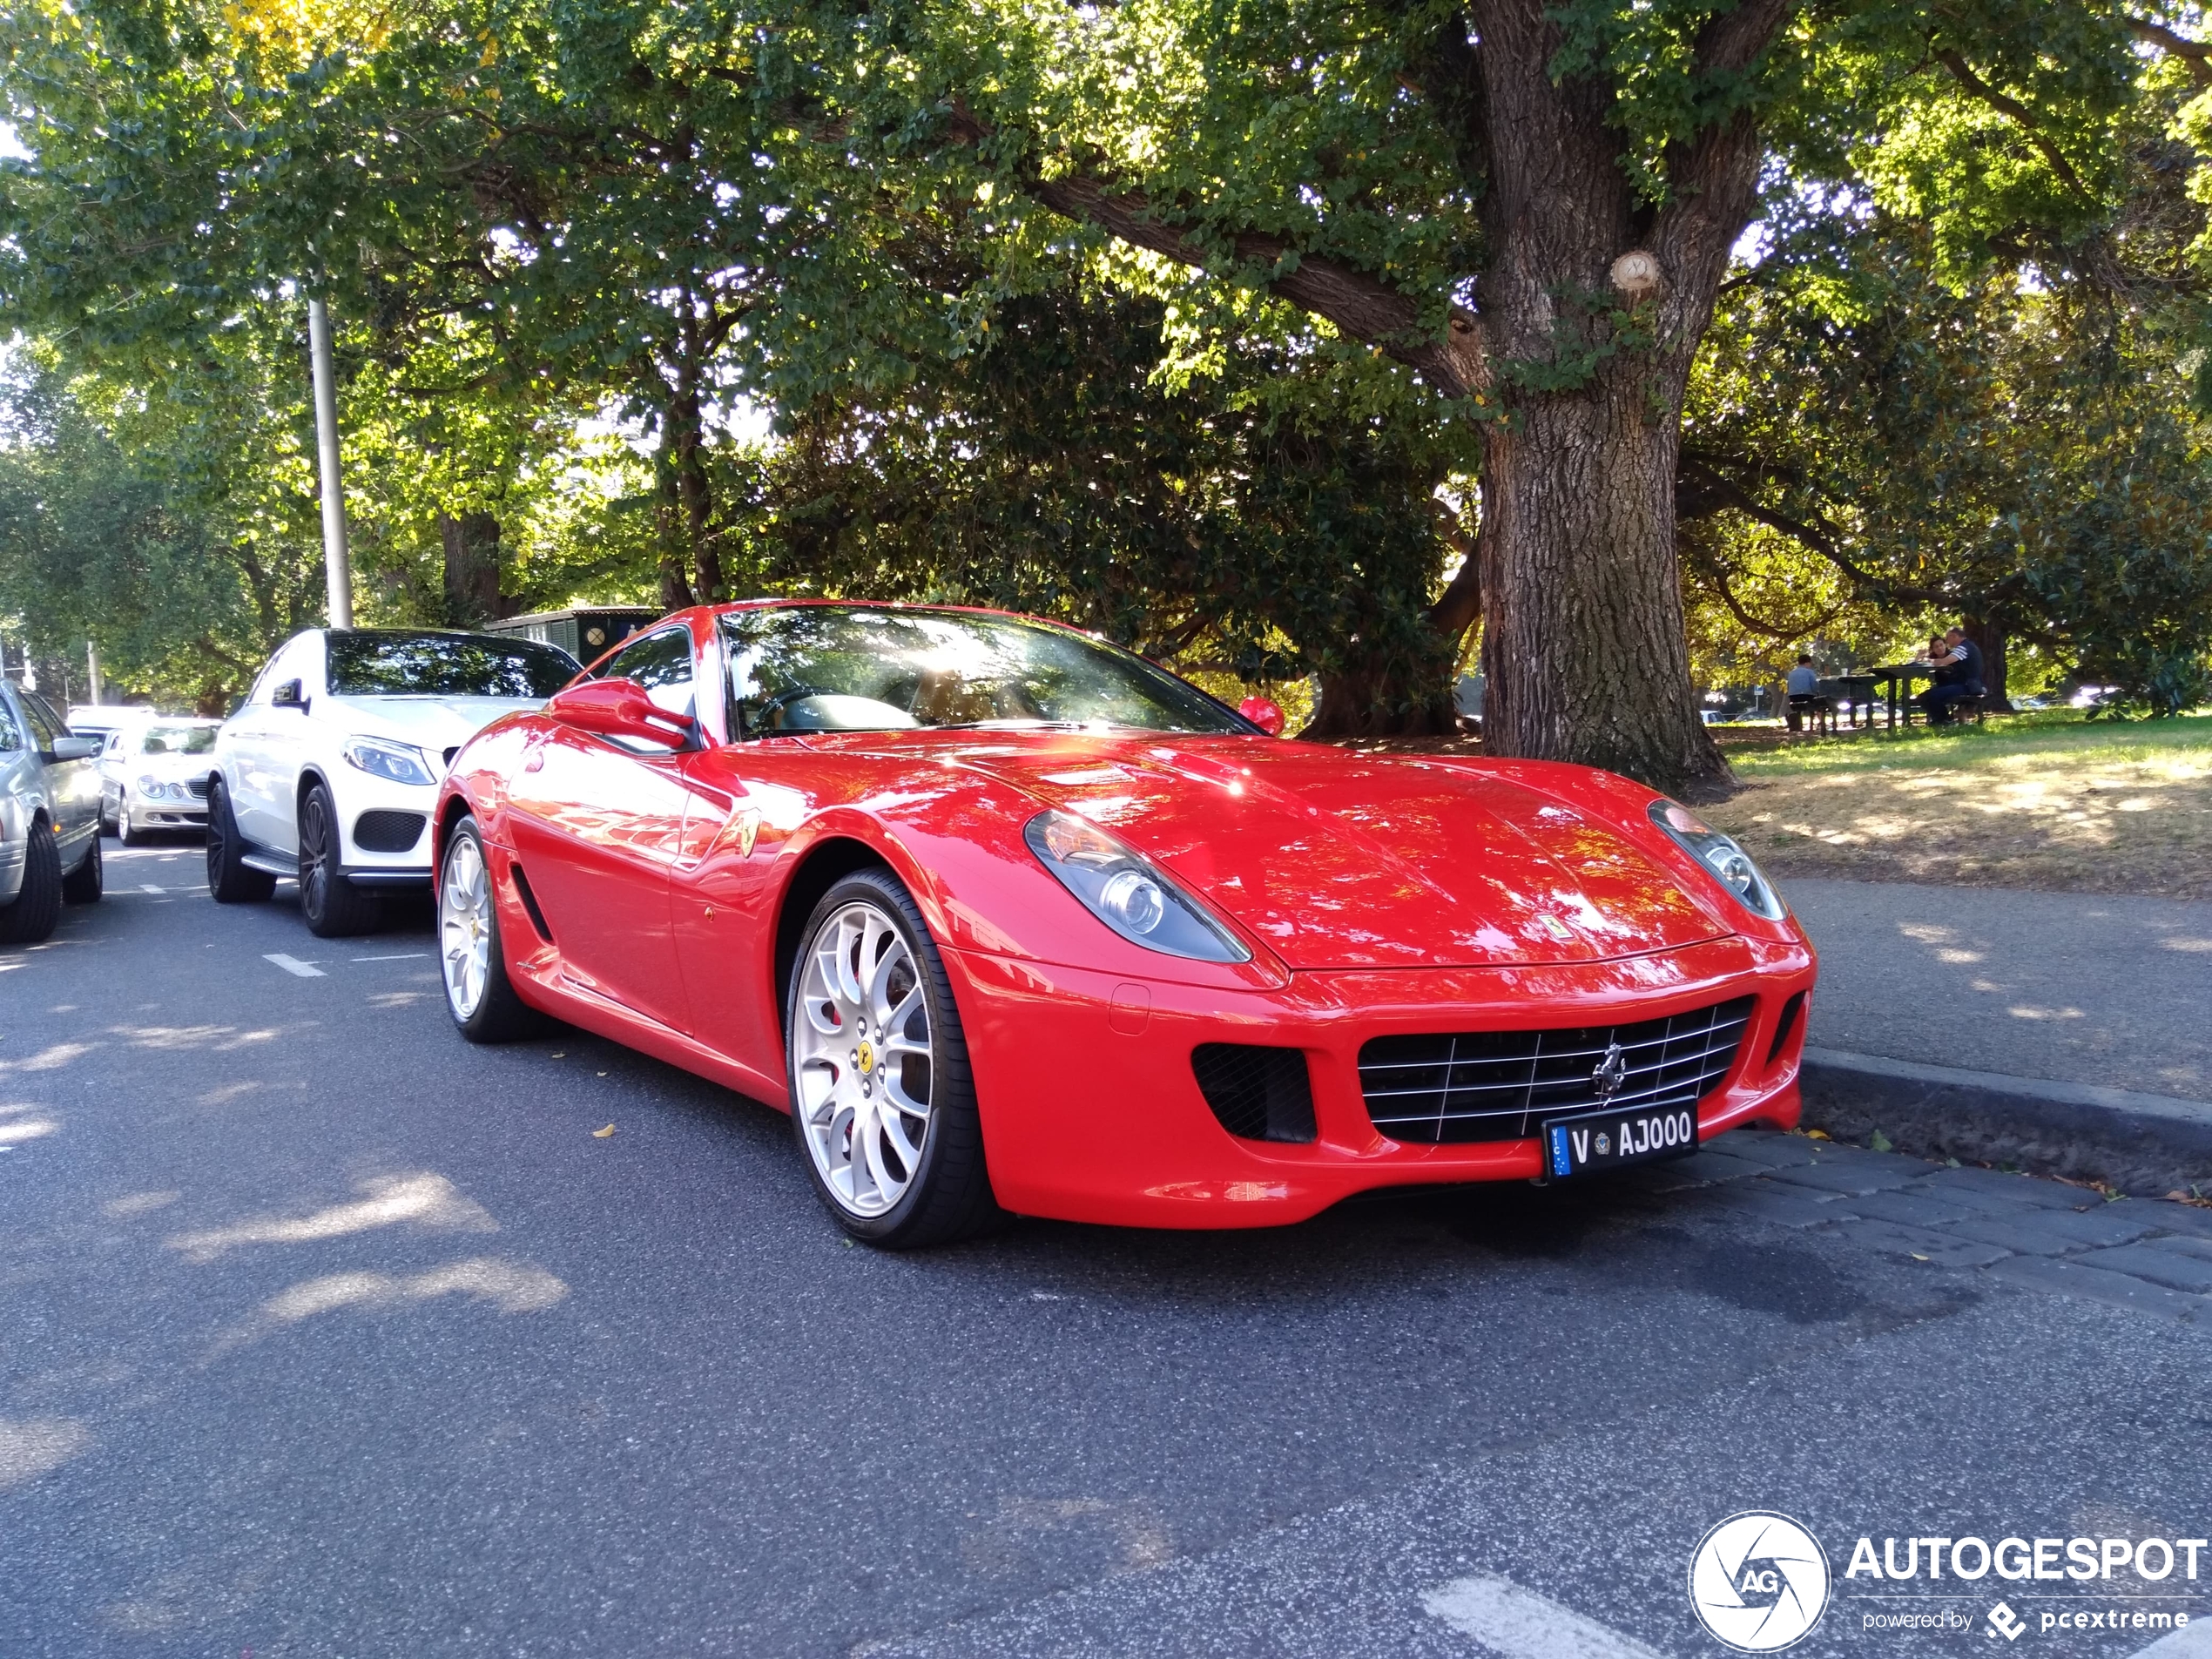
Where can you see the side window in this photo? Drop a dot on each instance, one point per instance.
(10, 729)
(662, 663)
(45, 728)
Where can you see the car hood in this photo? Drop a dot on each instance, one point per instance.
(434, 723)
(168, 768)
(1342, 860)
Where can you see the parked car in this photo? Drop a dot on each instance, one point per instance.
(1010, 919)
(329, 771)
(153, 775)
(50, 816)
(99, 720)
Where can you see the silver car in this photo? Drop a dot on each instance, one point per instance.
(153, 775)
(50, 816)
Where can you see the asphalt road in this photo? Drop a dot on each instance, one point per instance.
(2084, 988)
(323, 1333)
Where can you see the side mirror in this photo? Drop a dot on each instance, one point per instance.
(1263, 712)
(620, 709)
(287, 696)
(75, 748)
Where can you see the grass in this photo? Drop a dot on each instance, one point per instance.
(2040, 800)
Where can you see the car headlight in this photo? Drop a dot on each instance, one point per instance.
(394, 762)
(1730, 865)
(150, 787)
(1126, 891)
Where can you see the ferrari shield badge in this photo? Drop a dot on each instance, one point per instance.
(748, 830)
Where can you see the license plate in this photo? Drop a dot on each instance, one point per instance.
(1588, 1145)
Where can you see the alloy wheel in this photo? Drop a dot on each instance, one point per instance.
(315, 856)
(464, 926)
(862, 1059)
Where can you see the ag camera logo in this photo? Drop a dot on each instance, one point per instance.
(1758, 1581)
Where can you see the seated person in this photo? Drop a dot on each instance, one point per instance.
(1803, 686)
(1957, 662)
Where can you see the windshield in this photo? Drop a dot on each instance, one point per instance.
(177, 741)
(380, 662)
(833, 668)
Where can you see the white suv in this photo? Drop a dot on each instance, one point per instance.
(329, 771)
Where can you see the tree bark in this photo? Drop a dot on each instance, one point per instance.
(472, 561)
(1990, 639)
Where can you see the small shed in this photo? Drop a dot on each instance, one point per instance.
(584, 634)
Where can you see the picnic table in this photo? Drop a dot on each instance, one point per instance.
(1856, 690)
(1897, 679)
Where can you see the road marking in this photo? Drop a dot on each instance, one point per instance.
(2192, 1640)
(148, 887)
(294, 965)
(402, 956)
(1517, 1623)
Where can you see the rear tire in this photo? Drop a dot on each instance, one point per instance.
(854, 1010)
(472, 950)
(85, 884)
(37, 906)
(335, 908)
(230, 878)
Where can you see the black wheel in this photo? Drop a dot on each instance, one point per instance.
(230, 878)
(85, 884)
(883, 1103)
(335, 908)
(471, 952)
(38, 904)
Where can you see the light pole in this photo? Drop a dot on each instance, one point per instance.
(337, 568)
(92, 670)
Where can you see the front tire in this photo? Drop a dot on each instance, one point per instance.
(883, 1103)
(335, 908)
(88, 880)
(472, 954)
(37, 905)
(230, 878)
(124, 833)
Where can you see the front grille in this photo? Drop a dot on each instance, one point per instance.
(386, 831)
(1258, 1094)
(1501, 1085)
(198, 787)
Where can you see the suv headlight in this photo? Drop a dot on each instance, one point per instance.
(394, 762)
(1126, 891)
(1730, 865)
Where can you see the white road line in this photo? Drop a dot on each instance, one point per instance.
(294, 965)
(2192, 1641)
(1517, 1623)
(402, 956)
(148, 887)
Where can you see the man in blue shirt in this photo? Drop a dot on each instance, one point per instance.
(1804, 687)
(1958, 676)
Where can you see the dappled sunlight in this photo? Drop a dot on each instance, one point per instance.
(506, 1287)
(221, 1039)
(2106, 818)
(429, 1201)
(138, 1204)
(17, 1130)
(31, 1446)
(50, 1059)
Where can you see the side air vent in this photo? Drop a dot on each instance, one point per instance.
(1785, 1026)
(529, 902)
(385, 831)
(1258, 1094)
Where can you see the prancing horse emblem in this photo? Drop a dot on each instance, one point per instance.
(1611, 1073)
(748, 830)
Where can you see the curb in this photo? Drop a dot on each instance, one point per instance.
(2148, 1145)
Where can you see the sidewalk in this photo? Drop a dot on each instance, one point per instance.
(2065, 988)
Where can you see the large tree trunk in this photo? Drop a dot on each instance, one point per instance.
(471, 542)
(1990, 638)
(1584, 648)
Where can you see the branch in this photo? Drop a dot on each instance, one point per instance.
(2194, 53)
(1361, 307)
(1963, 73)
(1704, 491)
(1719, 572)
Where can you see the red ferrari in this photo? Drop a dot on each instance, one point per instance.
(1008, 920)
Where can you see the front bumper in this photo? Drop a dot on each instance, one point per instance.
(357, 795)
(1091, 1112)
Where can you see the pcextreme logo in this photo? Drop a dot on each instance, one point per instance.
(1758, 1581)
